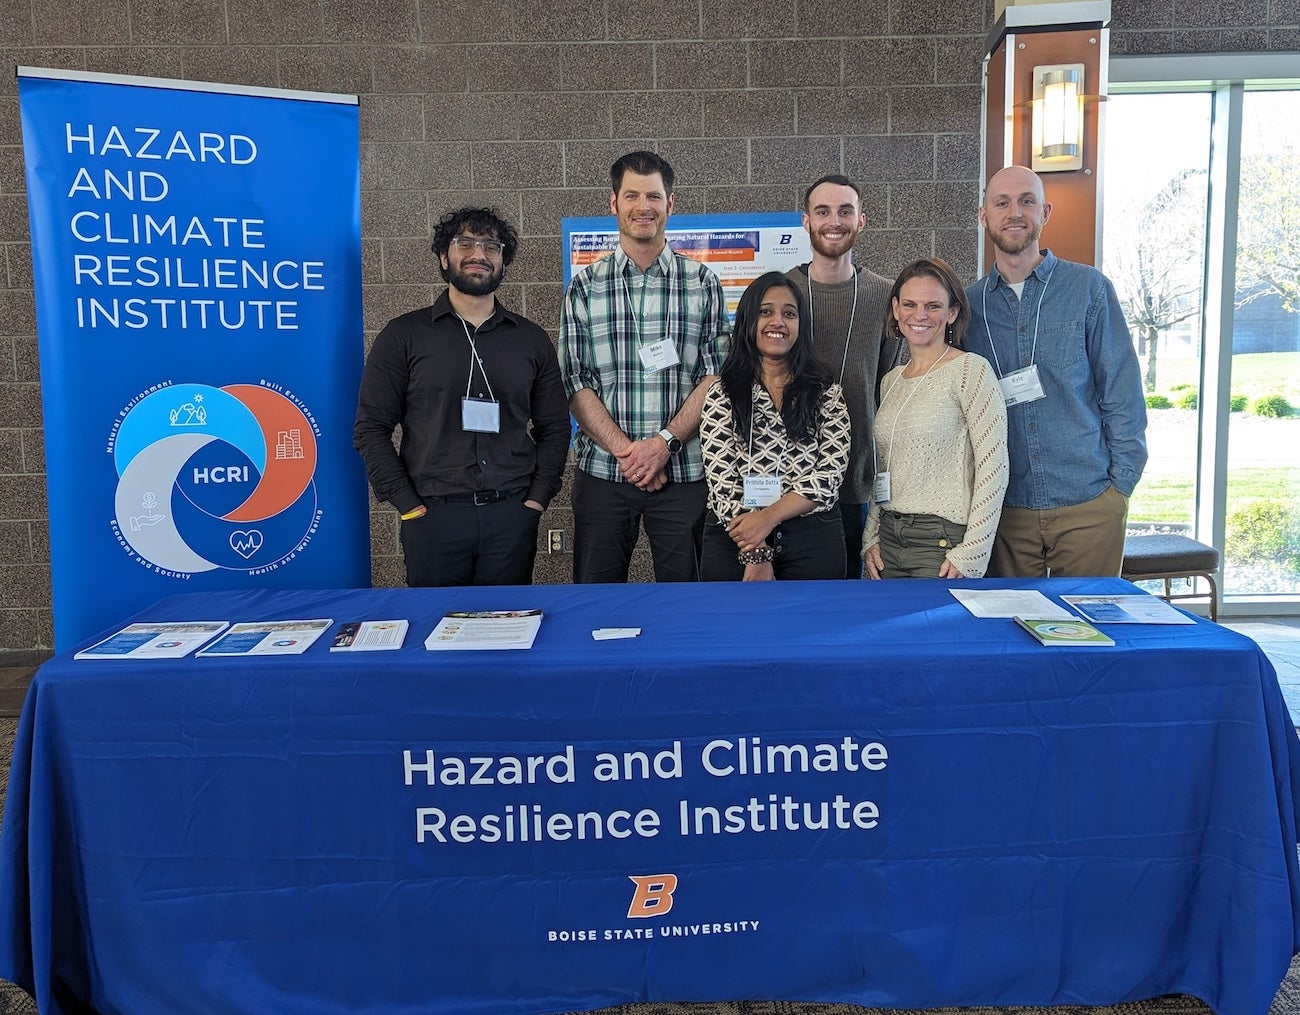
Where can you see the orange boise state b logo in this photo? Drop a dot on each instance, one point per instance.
(653, 895)
(213, 478)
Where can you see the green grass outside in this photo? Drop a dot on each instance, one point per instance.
(1253, 375)
(1169, 498)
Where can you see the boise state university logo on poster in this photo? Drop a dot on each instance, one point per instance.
(214, 478)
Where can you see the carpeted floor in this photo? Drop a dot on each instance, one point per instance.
(14, 1001)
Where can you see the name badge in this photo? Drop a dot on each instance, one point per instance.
(880, 487)
(1022, 386)
(479, 415)
(658, 356)
(760, 491)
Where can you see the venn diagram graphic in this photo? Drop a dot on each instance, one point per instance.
(215, 477)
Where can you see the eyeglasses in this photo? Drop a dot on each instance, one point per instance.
(466, 244)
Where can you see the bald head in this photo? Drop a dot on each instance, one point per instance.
(1015, 209)
(1014, 180)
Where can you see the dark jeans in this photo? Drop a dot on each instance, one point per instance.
(810, 548)
(459, 543)
(854, 517)
(914, 546)
(606, 517)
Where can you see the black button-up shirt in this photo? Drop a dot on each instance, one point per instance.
(416, 377)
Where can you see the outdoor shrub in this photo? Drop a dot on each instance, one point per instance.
(1237, 403)
(1158, 402)
(1182, 387)
(1264, 532)
(1187, 400)
(1272, 406)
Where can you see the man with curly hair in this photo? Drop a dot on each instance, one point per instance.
(485, 426)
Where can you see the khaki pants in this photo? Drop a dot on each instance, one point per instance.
(1080, 541)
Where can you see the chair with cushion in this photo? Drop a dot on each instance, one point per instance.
(1166, 557)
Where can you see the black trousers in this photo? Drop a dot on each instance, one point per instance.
(606, 517)
(810, 548)
(855, 523)
(459, 543)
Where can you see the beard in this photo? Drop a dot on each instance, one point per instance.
(474, 285)
(1028, 239)
(833, 248)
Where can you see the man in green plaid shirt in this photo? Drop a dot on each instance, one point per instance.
(643, 333)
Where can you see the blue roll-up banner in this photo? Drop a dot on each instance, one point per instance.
(198, 297)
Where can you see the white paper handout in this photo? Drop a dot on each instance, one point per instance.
(267, 638)
(172, 640)
(1010, 603)
(485, 629)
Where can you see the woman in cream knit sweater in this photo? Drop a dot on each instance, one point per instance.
(941, 440)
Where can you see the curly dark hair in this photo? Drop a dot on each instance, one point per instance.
(481, 222)
(809, 378)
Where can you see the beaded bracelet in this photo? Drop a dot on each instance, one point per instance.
(763, 555)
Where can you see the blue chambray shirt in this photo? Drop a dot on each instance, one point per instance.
(1090, 429)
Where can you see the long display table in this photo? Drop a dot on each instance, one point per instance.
(822, 791)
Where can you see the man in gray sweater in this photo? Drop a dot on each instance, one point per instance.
(847, 305)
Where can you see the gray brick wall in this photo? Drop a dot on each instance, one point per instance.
(524, 105)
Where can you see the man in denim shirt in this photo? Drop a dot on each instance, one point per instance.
(1076, 416)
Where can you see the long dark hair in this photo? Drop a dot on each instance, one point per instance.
(801, 405)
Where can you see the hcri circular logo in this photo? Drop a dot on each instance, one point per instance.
(215, 477)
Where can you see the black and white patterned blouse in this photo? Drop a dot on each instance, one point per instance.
(814, 469)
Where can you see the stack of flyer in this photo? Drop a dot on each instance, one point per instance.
(369, 636)
(485, 629)
(173, 640)
(267, 638)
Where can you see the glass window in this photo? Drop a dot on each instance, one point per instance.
(1262, 518)
(1154, 228)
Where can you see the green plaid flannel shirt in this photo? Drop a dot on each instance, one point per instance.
(610, 310)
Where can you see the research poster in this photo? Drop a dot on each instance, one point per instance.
(737, 247)
(196, 255)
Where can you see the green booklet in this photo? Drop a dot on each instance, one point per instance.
(1054, 631)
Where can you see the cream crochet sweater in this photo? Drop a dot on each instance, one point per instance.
(943, 440)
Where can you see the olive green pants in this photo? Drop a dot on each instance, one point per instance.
(914, 546)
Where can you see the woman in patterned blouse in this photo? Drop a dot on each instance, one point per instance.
(941, 440)
(775, 434)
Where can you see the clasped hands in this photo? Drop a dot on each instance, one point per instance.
(750, 530)
(644, 463)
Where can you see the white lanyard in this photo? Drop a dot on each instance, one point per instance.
(474, 358)
(659, 354)
(916, 387)
(853, 312)
(759, 490)
(1038, 313)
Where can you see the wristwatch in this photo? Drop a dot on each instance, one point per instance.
(674, 445)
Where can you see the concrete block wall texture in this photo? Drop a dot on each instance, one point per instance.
(523, 105)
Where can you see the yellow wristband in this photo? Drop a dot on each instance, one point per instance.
(413, 513)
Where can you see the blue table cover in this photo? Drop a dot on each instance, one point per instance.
(820, 791)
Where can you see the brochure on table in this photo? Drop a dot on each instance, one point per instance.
(1127, 609)
(485, 629)
(1071, 633)
(155, 641)
(369, 636)
(268, 638)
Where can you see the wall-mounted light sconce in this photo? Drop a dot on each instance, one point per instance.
(1057, 135)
